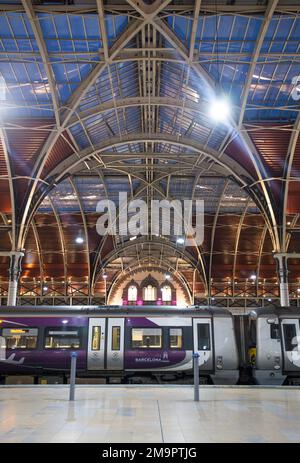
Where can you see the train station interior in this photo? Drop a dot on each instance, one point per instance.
(149, 221)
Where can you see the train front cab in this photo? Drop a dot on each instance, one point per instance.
(290, 333)
(277, 347)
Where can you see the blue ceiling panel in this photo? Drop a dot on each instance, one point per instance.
(224, 45)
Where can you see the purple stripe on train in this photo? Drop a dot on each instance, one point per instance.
(25, 360)
(140, 322)
(58, 359)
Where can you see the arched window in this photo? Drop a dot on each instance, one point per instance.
(149, 293)
(132, 293)
(166, 293)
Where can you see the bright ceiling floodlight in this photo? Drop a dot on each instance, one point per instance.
(45, 288)
(180, 240)
(253, 277)
(104, 276)
(168, 276)
(65, 322)
(79, 240)
(219, 109)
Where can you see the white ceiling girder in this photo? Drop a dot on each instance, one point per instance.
(168, 33)
(38, 34)
(233, 168)
(4, 142)
(272, 4)
(130, 102)
(286, 177)
(194, 28)
(133, 28)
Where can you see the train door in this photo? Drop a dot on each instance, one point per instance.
(115, 344)
(291, 343)
(96, 344)
(106, 344)
(203, 342)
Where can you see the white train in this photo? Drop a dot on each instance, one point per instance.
(275, 333)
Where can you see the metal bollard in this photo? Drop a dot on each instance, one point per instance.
(73, 375)
(196, 376)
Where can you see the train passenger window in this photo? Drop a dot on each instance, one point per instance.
(175, 338)
(274, 331)
(290, 339)
(20, 338)
(56, 338)
(149, 338)
(203, 336)
(115, 338)
(96, 336)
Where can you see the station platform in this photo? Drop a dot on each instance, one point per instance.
(150, 414)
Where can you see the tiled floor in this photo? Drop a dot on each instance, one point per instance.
(149, 414)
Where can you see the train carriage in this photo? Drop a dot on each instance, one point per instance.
(277, 340)
(117, 341)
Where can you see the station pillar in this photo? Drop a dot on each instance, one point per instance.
(14, 275)
(282, 270)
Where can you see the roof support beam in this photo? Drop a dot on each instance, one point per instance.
(39, 250)
(38, 34)
(168, 33)
(71, 106)
(4, 143)
(136, 195)
(232, 167)
(11, 254)
(70, 165)
(212, 239)
(62, 242)
(6, 225)
(261, 248)
(100, 8)
(272, 4)
(286, 179)
(287, 255)
(73, 184)
(155, 242)
(131, 31)
(237, 242)
(194, 28)
(246, 8)
(129, 102)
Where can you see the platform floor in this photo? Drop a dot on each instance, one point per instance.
(149, 414)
